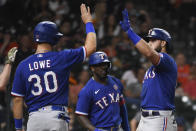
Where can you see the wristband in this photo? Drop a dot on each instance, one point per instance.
(18, 124)
(133, 36)
(89, 27)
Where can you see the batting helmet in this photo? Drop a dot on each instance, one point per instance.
(47, 31)
(160, 34)
(98, 57)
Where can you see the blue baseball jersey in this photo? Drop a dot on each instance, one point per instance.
(159, 85)
(101, 102)
(42, 79)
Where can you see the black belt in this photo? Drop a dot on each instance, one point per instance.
(114, 128)
(146, 113)
(154, 113)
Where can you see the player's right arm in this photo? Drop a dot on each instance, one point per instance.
(85, 122)
(18, 112)
(82, 109)
(90, 42)
(18, 91)
(139, 43)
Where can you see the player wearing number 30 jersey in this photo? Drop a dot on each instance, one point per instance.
(41, 80)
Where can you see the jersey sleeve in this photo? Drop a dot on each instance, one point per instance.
(18, 84)
(73, 56)
(83, 103)
(166, 62)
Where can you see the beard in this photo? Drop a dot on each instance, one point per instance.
(158, 49)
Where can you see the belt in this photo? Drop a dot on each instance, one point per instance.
(53, 108)
(113, 128)
(146, 113)
(154, 113)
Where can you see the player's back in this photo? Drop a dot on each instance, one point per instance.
(45, 78)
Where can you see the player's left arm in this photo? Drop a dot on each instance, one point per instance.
(139, 43)
(123, 109)
(18, 112)
(124, 115)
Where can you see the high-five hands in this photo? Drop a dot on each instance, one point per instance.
(125, 23)
(126, 26)
(85, 14)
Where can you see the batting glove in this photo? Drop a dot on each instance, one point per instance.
(10, 58)
(125, 24)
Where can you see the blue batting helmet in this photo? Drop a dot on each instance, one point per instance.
(98, 57)
(47, 31)
(160, 34)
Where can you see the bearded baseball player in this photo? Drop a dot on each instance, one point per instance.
(100, 105)
(159, 83)
(41, 80)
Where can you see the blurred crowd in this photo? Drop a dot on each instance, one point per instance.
(18, 18)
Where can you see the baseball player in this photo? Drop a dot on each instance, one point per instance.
(160, 79)
(41, 80)
(100, 105)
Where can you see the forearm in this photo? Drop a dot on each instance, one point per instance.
(86, 123)
(18, 112)
(140, 44)
(5, 75)
(133, 124)
(124, 114)
(143, 47)
(91, 42)
(148, 52)
(18, 107)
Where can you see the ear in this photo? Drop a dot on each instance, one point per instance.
(163, 43)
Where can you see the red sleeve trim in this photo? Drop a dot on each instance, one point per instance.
(122, 102)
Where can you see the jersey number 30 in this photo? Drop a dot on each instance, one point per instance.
(38, 85)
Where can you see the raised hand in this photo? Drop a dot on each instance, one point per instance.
(125, 23)
(85, 14)
(10, 58)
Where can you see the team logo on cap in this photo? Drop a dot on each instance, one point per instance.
(150, 31)
(102, 56)
(115, 87)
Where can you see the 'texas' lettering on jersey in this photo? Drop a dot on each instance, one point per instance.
(106, 100)
(39, 65)
(150, 74)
